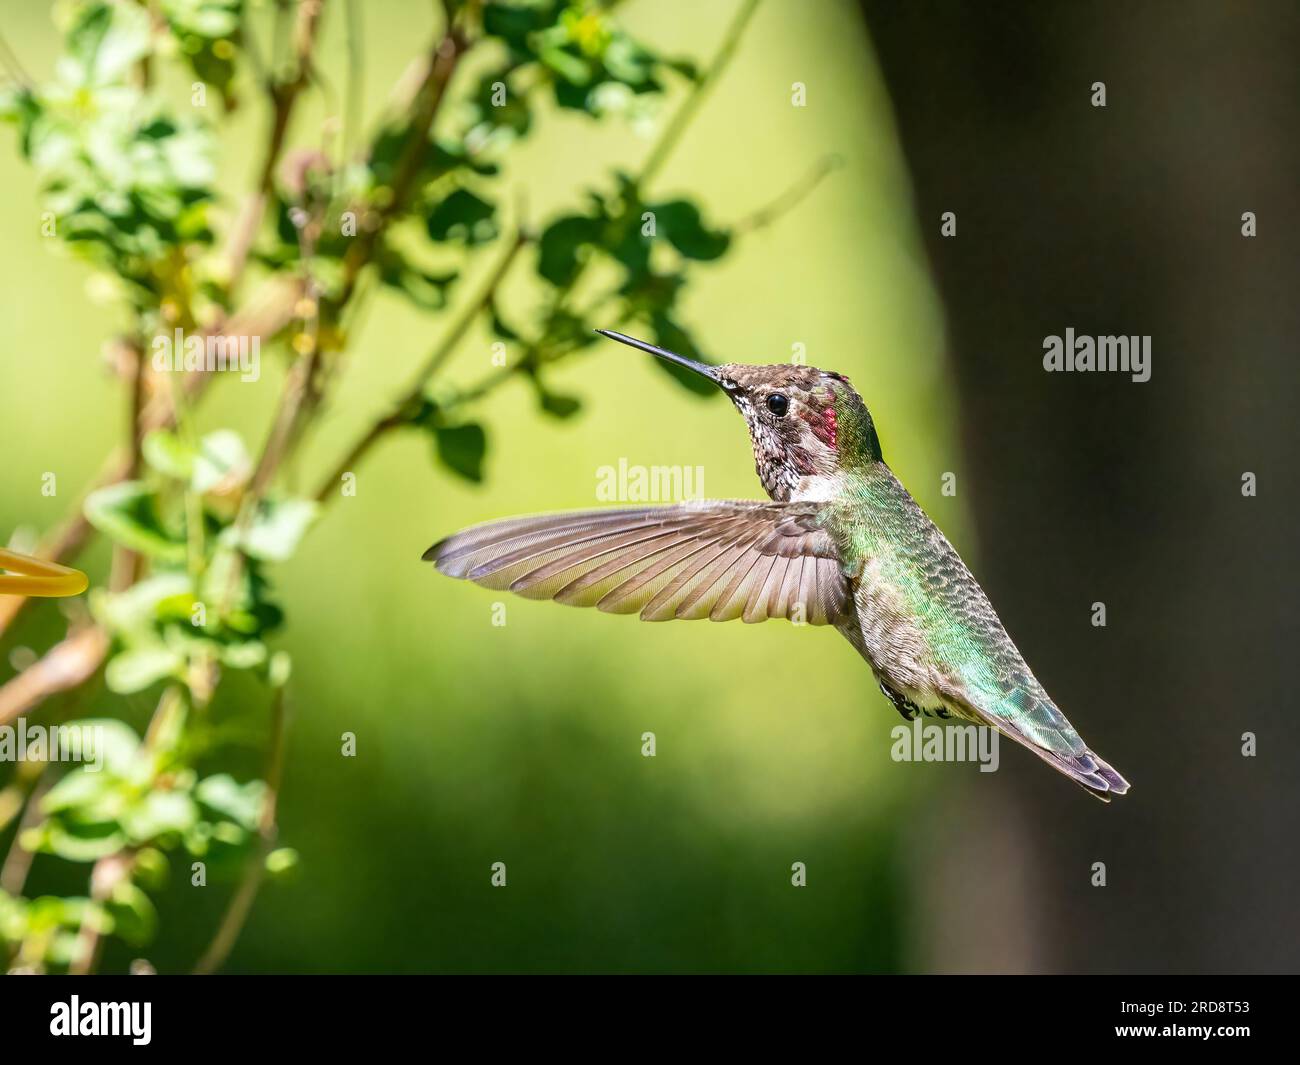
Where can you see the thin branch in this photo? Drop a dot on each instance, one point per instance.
(284, 96)
(360, 447)
(682, 119)
(9, 58)
(135, 428)
(790, 198)
(105, 876)
(297, 398)
(253, 50)
(69, 663)
(292, 401)
(354, 107)
(241, 902)
(446, 347)
(501, 375)
(442, 65)
(471, 311)
(18, 861)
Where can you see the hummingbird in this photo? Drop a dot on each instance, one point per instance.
(840, 543)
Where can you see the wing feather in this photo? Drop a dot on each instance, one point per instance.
(716, 560)
(696, 598)
(760, 598)
(635, 593)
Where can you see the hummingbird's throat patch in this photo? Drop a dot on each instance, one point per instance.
(825, 428)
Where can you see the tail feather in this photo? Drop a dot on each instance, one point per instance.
(1030, 718)
(1096, 777)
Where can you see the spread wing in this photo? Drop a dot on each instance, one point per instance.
(711, 560)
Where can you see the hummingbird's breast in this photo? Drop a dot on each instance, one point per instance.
(889, 635)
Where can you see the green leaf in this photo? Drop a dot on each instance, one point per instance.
(424, 288)
(106, 40)
(567, 332)
(50, 911)
(240, 582)
(557, 405)
(463, 216)
(687, 68)
(13, 918)
(448, 154)
(242, 803)
(281, 860)
(670, 335)
(279, 526)
(560, 406)
(558, 255)
(94, 795)
(499, 325)
(157, 813)
(165, 452)
(627, 62)
(20, 106)
(76, 842)
(137, 668)
(515, 23)
(127, 513)
(114, 741)
(574, 97)
(229, 833)
(650, 294)
(221, 455)
(132, 614)
(244, 654)
(279, 669)
(212, 19)
(150, 867)
(679, 221)
(105, 784)
(134, 918)
(462, 448)
(572, 68)
(495, 112)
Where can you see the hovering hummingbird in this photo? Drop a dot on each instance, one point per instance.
(841, 543)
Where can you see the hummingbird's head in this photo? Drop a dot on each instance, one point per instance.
(803, 422)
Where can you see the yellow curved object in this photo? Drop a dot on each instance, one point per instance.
(35, 576)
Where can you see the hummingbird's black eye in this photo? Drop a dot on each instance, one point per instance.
(778, 404)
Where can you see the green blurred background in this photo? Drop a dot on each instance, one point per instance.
(521, 743)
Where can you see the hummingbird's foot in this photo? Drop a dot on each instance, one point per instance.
(902, 703)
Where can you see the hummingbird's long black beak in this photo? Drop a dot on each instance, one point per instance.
(700, 368)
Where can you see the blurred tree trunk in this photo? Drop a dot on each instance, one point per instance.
(1089, 488)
